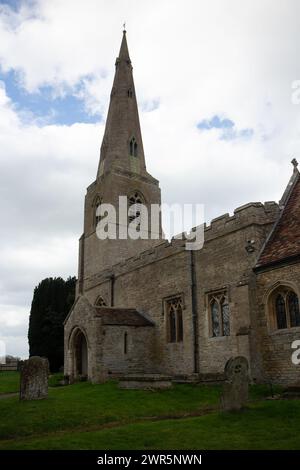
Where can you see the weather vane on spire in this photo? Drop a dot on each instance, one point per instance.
(124, 27)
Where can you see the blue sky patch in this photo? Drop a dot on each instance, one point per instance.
(215, 123)
(43, 107)
(14, 4)
(227, 126)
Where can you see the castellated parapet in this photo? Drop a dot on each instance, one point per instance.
(254, 213)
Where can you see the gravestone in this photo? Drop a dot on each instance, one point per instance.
(236, 386)
(34, 378)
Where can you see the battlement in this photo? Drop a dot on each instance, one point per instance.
(252, 213)
(255, 213)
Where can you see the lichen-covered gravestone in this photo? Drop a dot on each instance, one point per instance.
(34, 378)
(236, 386)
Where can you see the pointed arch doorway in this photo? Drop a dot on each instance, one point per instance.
(80, 355)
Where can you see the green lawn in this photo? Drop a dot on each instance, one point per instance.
(86, 416)
(272, 425)
(9, 382)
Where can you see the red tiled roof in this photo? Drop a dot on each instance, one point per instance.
(284, 240)
(122, 316)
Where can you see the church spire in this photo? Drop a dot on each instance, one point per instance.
(122, 145)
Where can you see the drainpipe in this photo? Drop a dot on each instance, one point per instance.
(194, 311)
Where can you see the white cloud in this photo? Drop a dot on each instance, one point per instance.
(43, 175)
(196, 59)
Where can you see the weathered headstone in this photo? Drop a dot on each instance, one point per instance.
(236, 386)
(34, 378)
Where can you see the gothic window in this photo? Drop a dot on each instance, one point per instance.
(133, 147)
(293, 308)
(174, 309)
(129, 93)
(219, 314)
(225, 316)
(280, 312)
(285, 308)
(135, 202)
(215, 320)
(100, 302)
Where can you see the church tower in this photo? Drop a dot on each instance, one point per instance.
(121, 172)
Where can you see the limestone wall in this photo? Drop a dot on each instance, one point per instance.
(147, 279)
(275, 345)
(138, 356)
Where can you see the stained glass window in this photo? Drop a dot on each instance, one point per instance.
(225, 317)
(219, 314)
(175, 320)
(215, 319)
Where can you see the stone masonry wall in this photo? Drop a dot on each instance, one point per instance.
(225, 263)
(275, 345)
(147, 279)
(138, 357)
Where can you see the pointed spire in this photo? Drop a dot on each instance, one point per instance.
(122, 145)
(124, 54)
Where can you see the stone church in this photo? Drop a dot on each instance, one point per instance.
(149, 306)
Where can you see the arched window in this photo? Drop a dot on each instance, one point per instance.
(215, 320)
(134, 208)
(225, 316)
(133, 148)
(293, 308)
(100, 302)
(174, 309)
(280, 312)
(129, 93)
(285, 308)
(179, 323)
(219, 314)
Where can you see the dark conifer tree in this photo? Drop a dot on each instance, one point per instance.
(52, 300)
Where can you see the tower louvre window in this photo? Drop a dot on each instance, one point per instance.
(130, 93)
(135, 202)
(133, 148)
(97, 204)
(100, 302)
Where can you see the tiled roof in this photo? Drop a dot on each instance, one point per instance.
(284, 239)
(122, 316)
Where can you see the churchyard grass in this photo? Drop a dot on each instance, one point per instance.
(9, 382)
(87, 416)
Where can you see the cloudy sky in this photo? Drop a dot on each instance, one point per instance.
(214, 83)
